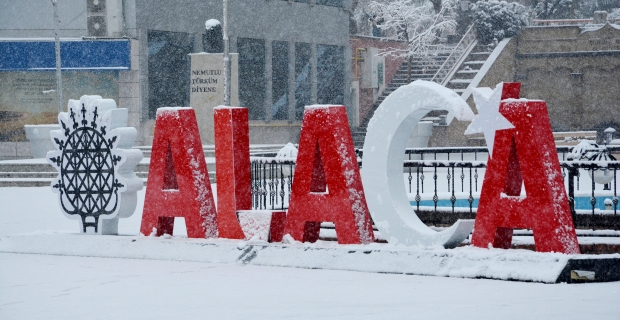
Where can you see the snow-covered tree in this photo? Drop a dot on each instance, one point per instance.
(496, 20)
(414, 22)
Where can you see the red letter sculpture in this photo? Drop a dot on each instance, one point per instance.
(232, 151)
(525, 154)
(327, 184)
(178, 183)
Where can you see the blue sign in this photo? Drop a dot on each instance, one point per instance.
(74, 55)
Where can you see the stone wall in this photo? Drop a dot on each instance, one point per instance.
(575, 70)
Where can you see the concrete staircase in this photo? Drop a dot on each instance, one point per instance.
(421, 69)
(469, 69)
(38, 173)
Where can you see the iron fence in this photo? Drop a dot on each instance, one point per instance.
(444, 184)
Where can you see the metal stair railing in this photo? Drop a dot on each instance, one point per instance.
(458, 54)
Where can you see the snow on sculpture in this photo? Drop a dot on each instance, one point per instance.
(95, 161)
(178, 184)
(327, 184)
(232, 151)
(382, 169)
(235, 219)
(524, 155)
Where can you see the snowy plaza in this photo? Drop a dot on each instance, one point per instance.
(338, 159)
(38, 286)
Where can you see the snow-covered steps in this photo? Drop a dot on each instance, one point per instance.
(466, 81)
(465, 262)
(474, 63)
(468, 70)
(25, 182)
(38, 173)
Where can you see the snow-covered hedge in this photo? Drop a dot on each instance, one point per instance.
(496, 20)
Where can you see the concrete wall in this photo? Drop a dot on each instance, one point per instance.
(576, 71)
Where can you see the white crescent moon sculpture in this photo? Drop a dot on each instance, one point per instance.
(382, 169)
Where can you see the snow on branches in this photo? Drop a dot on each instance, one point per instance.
(496, 20)
(415, 22)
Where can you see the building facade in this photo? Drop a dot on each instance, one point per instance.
(291, 54)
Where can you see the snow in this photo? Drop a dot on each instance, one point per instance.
(318, 106)
(76, 287)
(59, 286)
(211, 23)
(418, 24)
(469, 262)
(288, 152)
(255, 224)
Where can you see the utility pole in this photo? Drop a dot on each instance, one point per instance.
(226, 57)
(58, 66)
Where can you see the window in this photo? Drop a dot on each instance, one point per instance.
(279, 63)
(303, 78)
(252, 76)
(330, 74)
(168, 69)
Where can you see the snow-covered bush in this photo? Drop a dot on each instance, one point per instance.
(496, 20)
(561, 9)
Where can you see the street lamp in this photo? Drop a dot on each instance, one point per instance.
(58, 67)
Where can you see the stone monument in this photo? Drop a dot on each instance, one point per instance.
(207, 88)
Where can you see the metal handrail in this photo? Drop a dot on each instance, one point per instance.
(468, 34)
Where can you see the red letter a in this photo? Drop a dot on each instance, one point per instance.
(327, 185)
(178, 182)
(525, 154)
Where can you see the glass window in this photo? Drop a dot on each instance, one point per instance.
(330, 74)
(252, 76)
(333, 3)
(168, 69)
(303, 78)
(279, 63)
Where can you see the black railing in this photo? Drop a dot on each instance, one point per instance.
(271, 183)
(444, 184)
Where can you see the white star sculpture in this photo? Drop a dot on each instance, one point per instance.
(489, 119)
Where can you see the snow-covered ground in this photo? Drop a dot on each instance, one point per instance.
(62, 287)
(55, 287)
